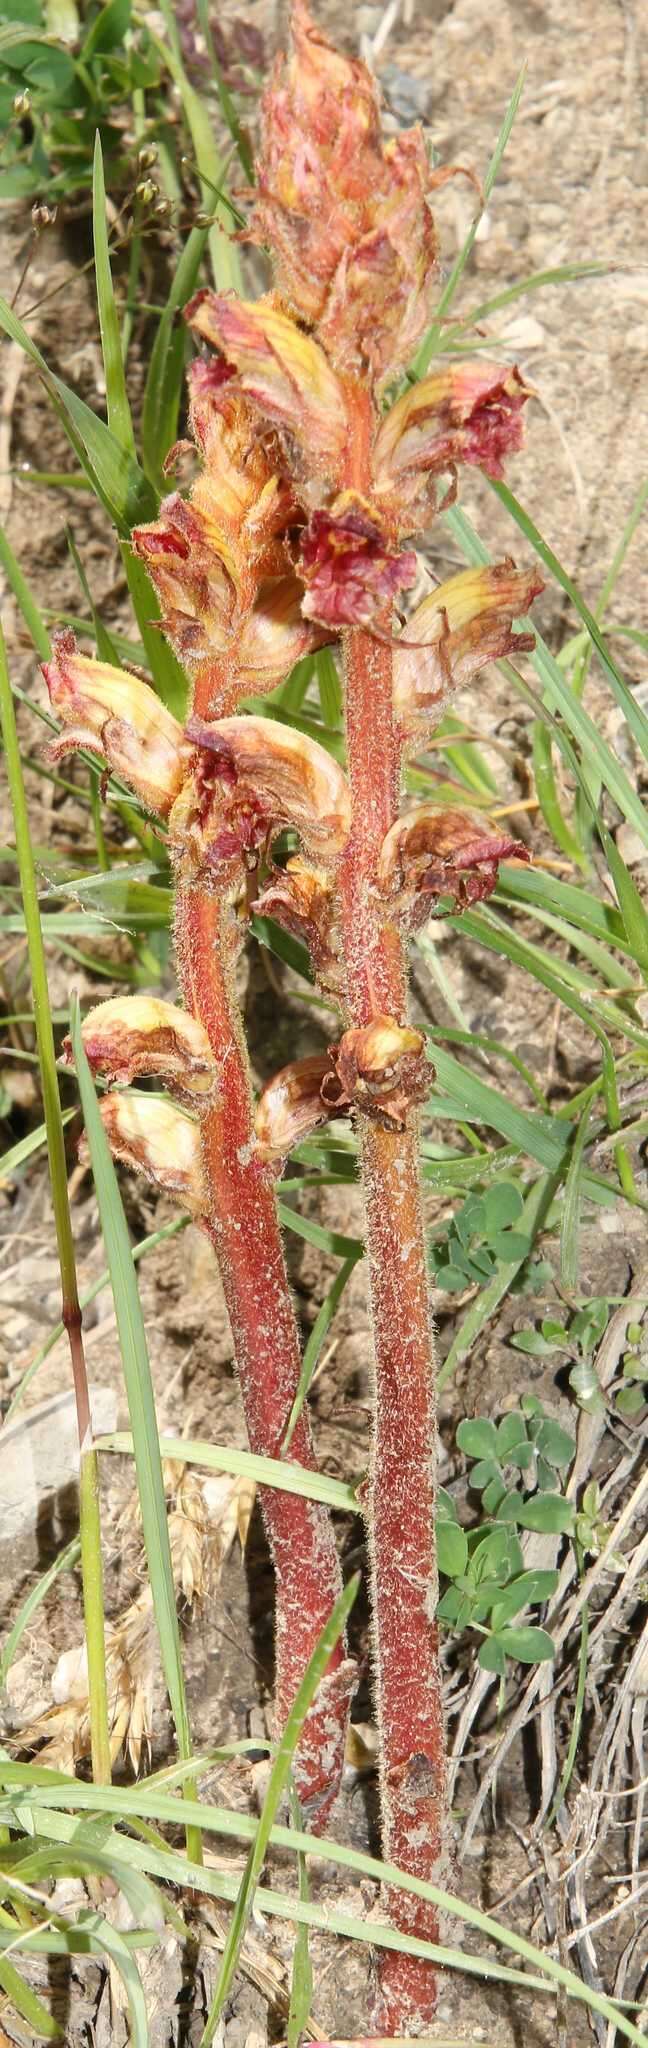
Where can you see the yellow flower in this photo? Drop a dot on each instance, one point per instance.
(134, 1035)
(461, 626)
(156, 1139)
(118, 716)
(282, 372)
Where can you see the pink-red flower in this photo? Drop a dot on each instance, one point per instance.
(348, 566)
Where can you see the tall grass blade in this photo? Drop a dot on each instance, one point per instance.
(277, 1783)
(141, 1403)
(434, 339)
(92, 1567)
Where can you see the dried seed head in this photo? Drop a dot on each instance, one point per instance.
(156, 1139)
(251, 776)
(380, 1069)
(301, 899)
(135, 1035)
(457, 630)
(344, 214)
(466, 412)
(116, 715)
(350, 570)
(433, 862)
(282, 372)
(291, 1106)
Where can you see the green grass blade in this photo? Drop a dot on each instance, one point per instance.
(301, 1982)
(163, 388)
(636, 718)
(564, 273)
(326, 1240)
(118, 408)
(139, 1391)
(27, 2004)
(434, 339)
(561, 698)
(138, 1252)
(265, 1471)
(224, 256)
(320, 1330)
(65, 1562)
(288, 1906)
(116, 479)
(25, 601)
(548, 798)
(277, 1784)
(330, 690)
(572, 1207)
(92, 1568)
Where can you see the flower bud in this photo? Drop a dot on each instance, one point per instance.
(300, 898)
(117, 715)
(348, 566)
(283, 373)
(344, 214)
(134, 1035)
(434, 862)
(251, 776)
(291, 1106)
(455, 632)
(381, 1069)
(156, 1139)
(466, 412)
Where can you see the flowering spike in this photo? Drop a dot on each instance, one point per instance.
(430, 856)
(348, 566)
(283, 373)
(291, 1106)
(466, 412)
(130, 1036)
(251, 776)
(345, 214)
(117, 715)
(156, 1139)
(380, 1069)
(455, 632)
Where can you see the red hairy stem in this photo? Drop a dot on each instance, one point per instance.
(403, 1480)
(243, 1226)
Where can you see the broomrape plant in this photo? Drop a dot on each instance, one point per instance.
(296, 534)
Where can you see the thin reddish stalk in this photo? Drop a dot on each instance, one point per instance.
(403, 1482)
(243, 1226)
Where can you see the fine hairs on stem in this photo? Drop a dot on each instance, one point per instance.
(297, 535)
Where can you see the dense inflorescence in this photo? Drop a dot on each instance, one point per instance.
(292, 536)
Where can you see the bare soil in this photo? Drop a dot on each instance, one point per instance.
(570, 188)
